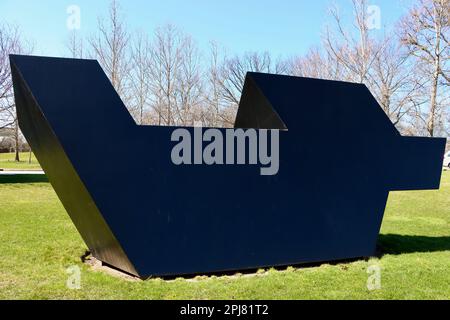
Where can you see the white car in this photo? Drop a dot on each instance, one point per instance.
(447, 160)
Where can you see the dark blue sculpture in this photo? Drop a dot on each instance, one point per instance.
(339, 158)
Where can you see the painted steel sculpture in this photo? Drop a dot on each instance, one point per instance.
(339, 156)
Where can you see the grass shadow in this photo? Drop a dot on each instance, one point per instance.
(400, 244)
(387, 244)
(23, 178)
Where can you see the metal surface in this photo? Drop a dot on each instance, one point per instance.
(139, 212)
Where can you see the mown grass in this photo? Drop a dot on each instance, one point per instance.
(38, 242)
(7, 161)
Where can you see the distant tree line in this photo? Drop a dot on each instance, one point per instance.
(165, 79)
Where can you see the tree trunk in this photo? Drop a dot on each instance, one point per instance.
(435, 80)
(433, 101)
(16, 140)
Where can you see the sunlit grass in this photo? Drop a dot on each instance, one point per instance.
(7, 161)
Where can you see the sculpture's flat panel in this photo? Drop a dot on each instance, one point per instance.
(339, 158)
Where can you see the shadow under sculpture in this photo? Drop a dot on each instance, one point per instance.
(137, 211)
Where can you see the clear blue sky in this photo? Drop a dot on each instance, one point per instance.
(282, 27)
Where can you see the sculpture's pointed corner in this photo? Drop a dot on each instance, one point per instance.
(255, 110)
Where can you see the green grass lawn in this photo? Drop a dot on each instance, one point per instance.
(7, 161)
(38, 242)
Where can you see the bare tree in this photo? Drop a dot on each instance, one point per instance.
(391, 80)
(189, 83)
(213, 103)
(11, 42)
(316, 64)
(109, 46)
(140, 76)
(354, 48)
(233, 75)
(426, 33)
(75, 45)
(165, 65)
(380, 62)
